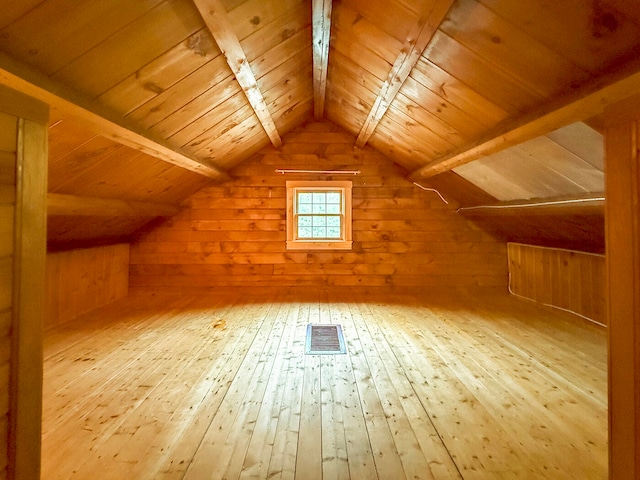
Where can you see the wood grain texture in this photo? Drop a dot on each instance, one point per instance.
(82, 280)
(565, 279)
(623, 287)
(419, 36)
(27, 306)
(215, 16)
(72, 205)
(321, 18)
(560, 112)
(435, 384)
(488, 73)
(8, 148)
(243, 224)
(81, 108)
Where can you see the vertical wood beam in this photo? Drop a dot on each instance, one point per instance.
(418, 39)
(622, 217)
(28, 295)
(321, 19)
(217, 21)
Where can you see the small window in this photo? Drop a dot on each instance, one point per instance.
(319, 215)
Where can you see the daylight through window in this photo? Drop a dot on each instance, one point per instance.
(319, 215)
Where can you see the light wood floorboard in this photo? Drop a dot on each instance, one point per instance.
(475, 385)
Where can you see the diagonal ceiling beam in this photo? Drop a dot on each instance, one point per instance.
(217, 21)
(418, 39)
(101, 119)
(321, 19)
(582, 105)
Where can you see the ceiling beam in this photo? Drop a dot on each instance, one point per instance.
(102, 120)
(418, 39)
(73, 205)
(321, 20)
(588, 204)
(588, 103)
(217, 21)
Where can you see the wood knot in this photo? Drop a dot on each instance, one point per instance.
(604, 23)
(153, 87)
(195, 45)
(287, 33)
(255, 20)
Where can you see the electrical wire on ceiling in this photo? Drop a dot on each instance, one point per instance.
(432, 190)
(534, 204)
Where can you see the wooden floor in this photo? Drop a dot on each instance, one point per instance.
(466, 386)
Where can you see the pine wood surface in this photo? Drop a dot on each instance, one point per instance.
(151, 86)
(234, 234)
(28, 299)
(623, 295)
(23, 149)
(8, 147)
(561, 278)
(473, 385)
(82, 280)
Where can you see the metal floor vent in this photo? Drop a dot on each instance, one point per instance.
(324, 340)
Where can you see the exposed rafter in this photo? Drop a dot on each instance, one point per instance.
(217, 21)
(109, 124)
(418, 39)
(580, 106)
(61, 204)
(321, 18)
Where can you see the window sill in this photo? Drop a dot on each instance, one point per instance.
(303, 245)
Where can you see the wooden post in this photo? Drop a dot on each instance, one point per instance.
(623, 276)
(24, 192)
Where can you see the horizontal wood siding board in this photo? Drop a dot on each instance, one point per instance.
(234, 234)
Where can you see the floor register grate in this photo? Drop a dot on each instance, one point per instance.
(324, 340)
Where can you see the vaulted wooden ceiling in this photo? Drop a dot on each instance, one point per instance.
(154, 99)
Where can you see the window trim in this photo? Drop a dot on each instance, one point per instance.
(345, 243)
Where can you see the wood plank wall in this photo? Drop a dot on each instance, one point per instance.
(81, 280)
(566, 279)
(233, 235)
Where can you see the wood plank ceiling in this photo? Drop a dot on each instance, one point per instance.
(154, 99)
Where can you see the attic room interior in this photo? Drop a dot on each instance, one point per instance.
(450, 186)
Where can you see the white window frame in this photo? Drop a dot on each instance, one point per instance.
(295, 243)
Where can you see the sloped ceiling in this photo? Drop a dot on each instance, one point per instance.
(567, 161)
(153, 99)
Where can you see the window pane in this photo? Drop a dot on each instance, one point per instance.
(319, 208)
(318, 215)
(333, 221)
(319, 232)
(304, 198)
(333, 232)
(319, 221)
(304, 232)
(333, 197)
(304, 208)
(304, 221)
